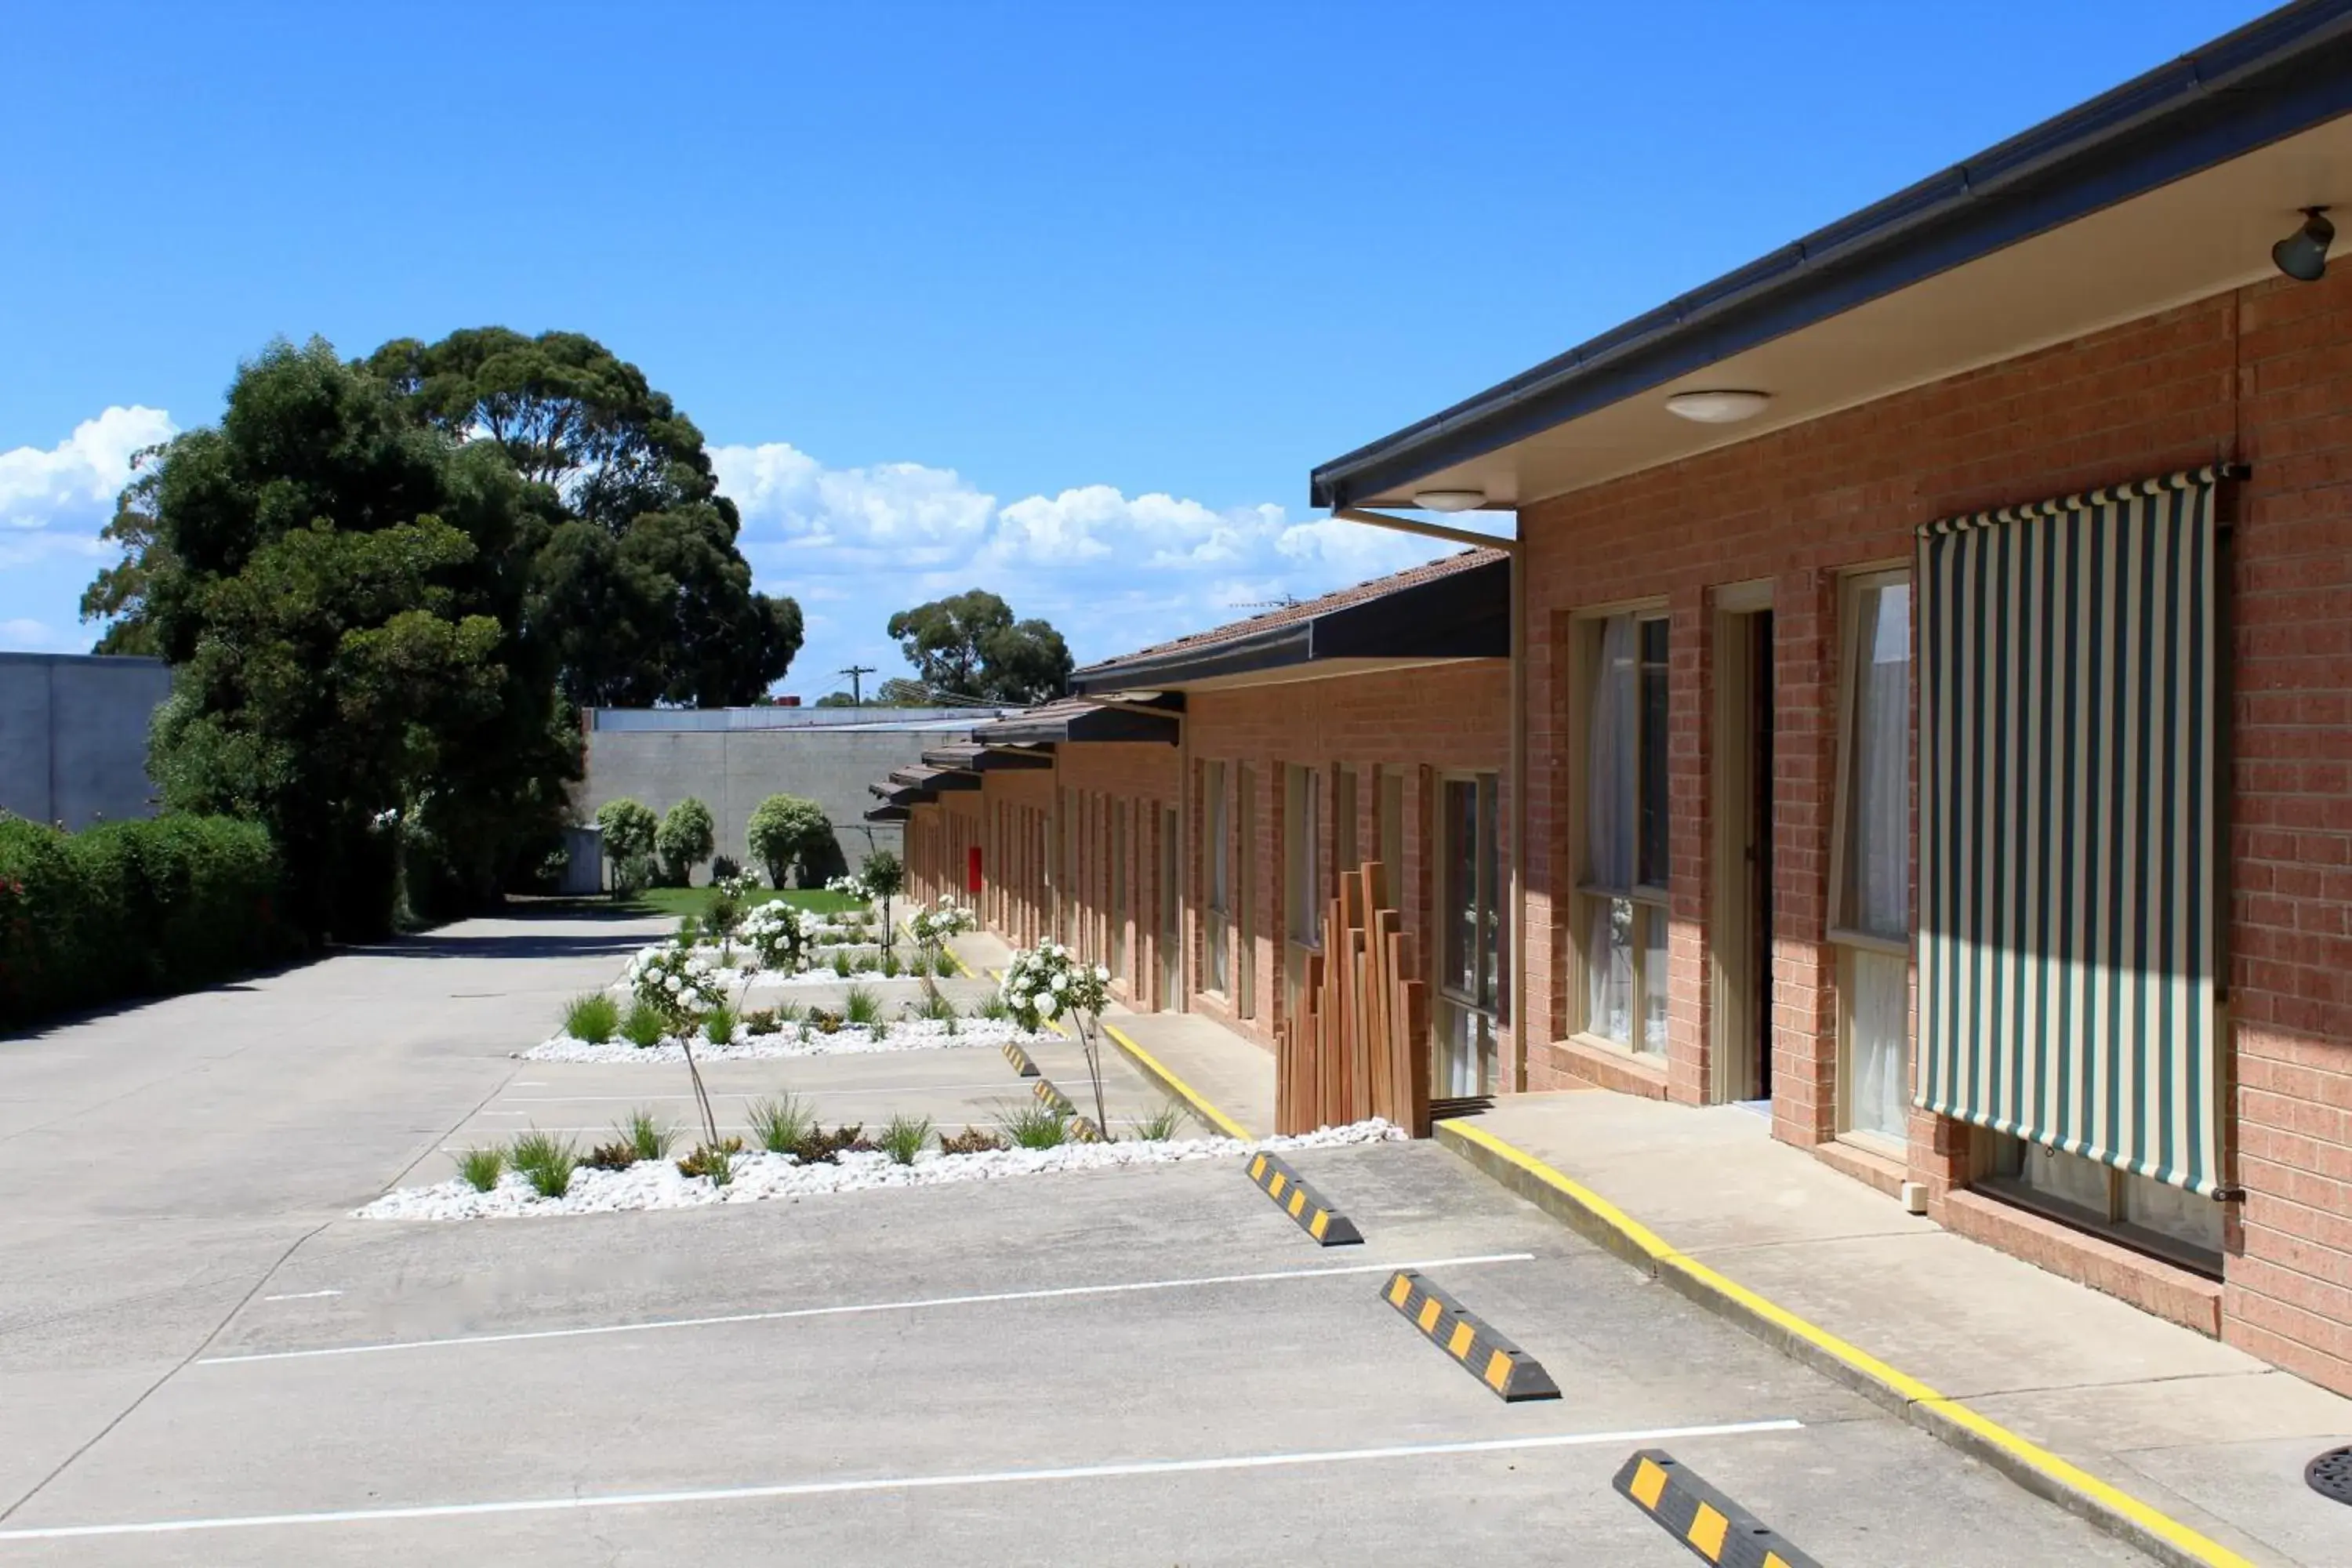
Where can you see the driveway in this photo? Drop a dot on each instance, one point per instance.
(204, 1363)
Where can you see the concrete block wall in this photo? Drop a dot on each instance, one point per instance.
(73, 736)
(732, 771)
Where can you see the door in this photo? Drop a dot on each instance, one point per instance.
(1741, 938)
(1171, 943)
(1469, 980)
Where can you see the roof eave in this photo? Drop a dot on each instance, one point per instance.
(2279, 75)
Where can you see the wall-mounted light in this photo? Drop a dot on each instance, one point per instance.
(2302, 255)
(1719, 407)
(1449, 501)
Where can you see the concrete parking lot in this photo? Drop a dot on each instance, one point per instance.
(205, 1362)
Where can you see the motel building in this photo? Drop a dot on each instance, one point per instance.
(1903, 686)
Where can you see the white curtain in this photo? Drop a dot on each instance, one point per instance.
(1608, 996)
(1610, 773)
(1881, 844)
(1879, 1012)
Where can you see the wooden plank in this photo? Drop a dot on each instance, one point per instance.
(1416, 1007)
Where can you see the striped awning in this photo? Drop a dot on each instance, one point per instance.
(2068, 825)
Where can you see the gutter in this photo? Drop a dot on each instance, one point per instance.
(2279, 75)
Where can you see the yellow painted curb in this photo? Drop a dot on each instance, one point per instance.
(1154, 1068)
(2041, 1471)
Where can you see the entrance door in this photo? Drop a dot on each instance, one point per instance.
(1469, 978)
(1171, 943)
(1742, 942)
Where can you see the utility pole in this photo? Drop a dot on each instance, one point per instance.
(857, 692)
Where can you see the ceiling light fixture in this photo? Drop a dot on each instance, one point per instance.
(1449, 501)
(1718, 407)
(2302, 255)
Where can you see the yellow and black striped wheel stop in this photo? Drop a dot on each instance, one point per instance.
(1506, 1369)
(1019, 1059)
(1714, 1526)
(1301, 1202)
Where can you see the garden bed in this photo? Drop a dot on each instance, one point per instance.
(850, 1040)
(758, 1176)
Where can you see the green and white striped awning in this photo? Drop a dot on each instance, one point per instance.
(2069, 834)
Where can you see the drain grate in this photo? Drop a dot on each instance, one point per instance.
(2330, 1475)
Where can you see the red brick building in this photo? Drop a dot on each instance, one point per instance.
(1922, 709)
(1937, 681)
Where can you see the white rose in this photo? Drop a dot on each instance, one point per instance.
(1102, 975)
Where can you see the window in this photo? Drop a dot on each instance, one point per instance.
(1470, 978)
(1626, 826)
(1120, 910)
(1391, 809)
(2148, 1215)
(1871, 915)
(1343, 819)
(1302, 875)
(1218, 849)
(1244, 890)
(1302, 883)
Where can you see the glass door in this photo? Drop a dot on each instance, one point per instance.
(1469, 979)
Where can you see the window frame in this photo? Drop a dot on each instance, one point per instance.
(1589, 627)
(1242, 931)
(1216, 880)
(1847, 940)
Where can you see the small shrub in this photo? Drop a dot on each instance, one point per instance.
(1036, 1127)
(822, 1148)
(716, 1160)
(725, 869)
(995, 1008)
(840, 962)
(649, 1138)
(879, 1030)
(889, 965)
(686, 837)
(904, 1138)
(822, 1022)
(763, 1021)
(861, 1006)
(725, 913)
(593, 1018)
(546, 1161)
(614, 1156)
(867, 963)
(689, 931)
(718, 1027)
(1161, 1124)
(785, 828)
(970, 1140)
(642, 1026)
(934, 1006)
(781, 1124)
(482, 1168)
(628, 828)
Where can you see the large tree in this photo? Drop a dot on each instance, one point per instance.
(342, 592)
(638, 585)
(969, 644)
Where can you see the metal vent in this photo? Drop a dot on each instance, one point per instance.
(2330, 1475)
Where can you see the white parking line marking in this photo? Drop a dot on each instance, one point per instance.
(1128, 1287)
(748, 1093)
(1639, 1439)
(303, 1296)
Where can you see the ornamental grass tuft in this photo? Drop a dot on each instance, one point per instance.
(781, 1124)
(546, 1161)
(861, 1006)
(718, 1027)
(595, 1018)
(482, 1168)
(1162, 1125)
(642, 1026)
(905, 1137)
(1035, 1127)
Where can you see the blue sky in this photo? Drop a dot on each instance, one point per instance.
(1062, 300)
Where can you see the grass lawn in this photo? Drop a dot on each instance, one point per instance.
(696, 901)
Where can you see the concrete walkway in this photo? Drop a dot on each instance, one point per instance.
(1200, 1061)
(2202, 1432)
(164, 1161)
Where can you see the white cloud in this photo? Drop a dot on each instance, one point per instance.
(74, 483)
(22, 634)
(901, 513)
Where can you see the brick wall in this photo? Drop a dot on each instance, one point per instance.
(2264, 376)
(1417, 722)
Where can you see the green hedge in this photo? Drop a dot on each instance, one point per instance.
(133, 909)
